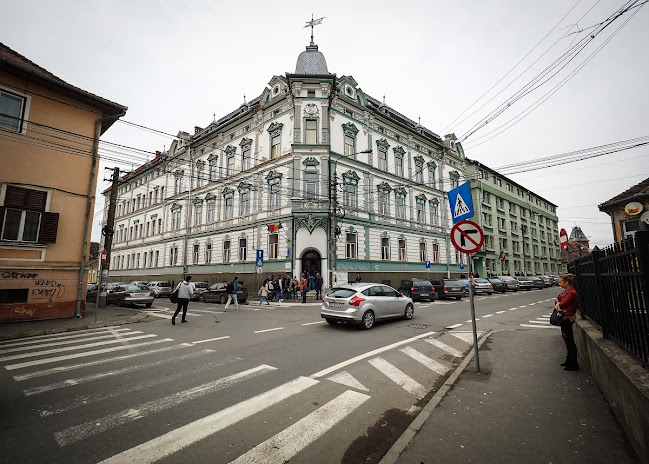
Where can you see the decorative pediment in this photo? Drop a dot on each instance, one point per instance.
(230, 150)
(421, 197)
(197, 200)
(200, 164)
(400, 191)
(212, 158)
(434, 202)
(176, 207)
(275, 129)
(384, 186)
(351, 177)
(431, 165)
(179, 173)
(210, 197)
(273, 175)
(245, 143)
(350, 130)
(227, 191)
(399, 152)
(310, 161)
(382, 145)
(454, 175)
(419, 160)
(244, 186)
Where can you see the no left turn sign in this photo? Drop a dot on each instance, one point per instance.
(467, 236)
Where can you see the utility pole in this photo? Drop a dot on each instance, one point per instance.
(108, 231)
(334, 192)
(523, 231)
(188, 213)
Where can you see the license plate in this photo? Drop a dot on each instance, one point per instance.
(335, 305)
(423, 294)
(454, 289)
(139, 295)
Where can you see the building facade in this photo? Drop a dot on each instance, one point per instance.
(49, 133)
(628, 210)
(521, 227)
(315, 173)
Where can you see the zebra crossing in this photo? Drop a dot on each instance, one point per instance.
(63, 375)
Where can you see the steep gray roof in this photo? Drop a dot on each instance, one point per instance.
(311, 61)
(577, 235)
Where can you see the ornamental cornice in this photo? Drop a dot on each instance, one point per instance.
(432, 164)
(272, 175)
(210, 197)
(275, 129)
(230, 150)
(179, 173)
(434, 201)
(382, 145)
(350, 130)
(351, 177)
(400, 191)
(384, 186)
(176, 207)
(310, 161)
(421, 197)
(245, 143)
(197, 200)
(419, 160)
(399, 152)
(212, 158)
(227, 191)
(244, 186)
(454, 175)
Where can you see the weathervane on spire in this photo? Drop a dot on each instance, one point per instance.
(313, 22)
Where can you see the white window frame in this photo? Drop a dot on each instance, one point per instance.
(20, 233)
(402, 250)
(385, 248)
(196, 253)
(243, 249)
(351, 245)
(15, 123)
(227, 251)
(273, 246)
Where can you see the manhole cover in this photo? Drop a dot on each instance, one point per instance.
(418, 326)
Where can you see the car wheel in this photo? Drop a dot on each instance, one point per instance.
(224, 299)
(368, 320)
(410, 311)
(242, 301)
(120, 303)
(331, 321)
(202, 299)
(458, 297)
(148, 305)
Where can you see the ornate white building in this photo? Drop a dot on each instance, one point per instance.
(356, 186)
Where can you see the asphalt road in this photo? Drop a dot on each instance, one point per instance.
(258, 385)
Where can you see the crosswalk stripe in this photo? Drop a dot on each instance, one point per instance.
(345, 378)
(84, 354)
(487, 315)
(104, 375)
(66, 342)
(399, 377)
(86, 398)
(175, 440)
(340, 365)
(290, 441)
(466, 337)
(71, 348)
(79, 432)
(431, 364)
(540, 322)
(63, 336)
(210, 340)
(445, 347)
(539, 326)
(499, 312)
(76, 333)
(97, 362)
(454, 326)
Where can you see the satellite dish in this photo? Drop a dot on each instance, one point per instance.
(633, 208)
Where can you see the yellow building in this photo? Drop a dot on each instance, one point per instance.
(49, 134)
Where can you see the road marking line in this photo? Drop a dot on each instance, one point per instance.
(103, 375)
(500, 312)
(311, 323)
(180, 438)
(79, 432)
(210, 340)
(290, 441)
(539, 326)
(162, 316)
(347, 379)
(51, 338)
(445, 347)
(70, 348)
(466, 337)
(66, 342)
(86, 399)
(54, 370)
(454, 326)
(487, 315)
(399, 377)
(540, 322)
(523, 306)
(531, 304)
(268, 330)
(335, 367)
(431, 364)
(513, 309)
(38, 362)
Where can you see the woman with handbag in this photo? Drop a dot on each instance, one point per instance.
(263, 293)
(566, 304)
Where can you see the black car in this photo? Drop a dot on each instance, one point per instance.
(537, 282)
(447, 288)
(498, 284)
(218, 293)
(418, 290)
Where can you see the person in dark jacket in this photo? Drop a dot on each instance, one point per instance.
(358, 277)
(567, 304)
(232, 294)
(318, 286)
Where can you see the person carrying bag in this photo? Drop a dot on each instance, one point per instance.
(566, 306)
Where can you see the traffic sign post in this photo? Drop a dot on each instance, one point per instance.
(468, 237)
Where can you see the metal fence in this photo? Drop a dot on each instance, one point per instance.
(613, 289)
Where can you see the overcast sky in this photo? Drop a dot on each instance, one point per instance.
(176, 64)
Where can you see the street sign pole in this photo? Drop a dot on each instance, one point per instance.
(473, 324)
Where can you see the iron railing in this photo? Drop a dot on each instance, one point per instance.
(613, 289)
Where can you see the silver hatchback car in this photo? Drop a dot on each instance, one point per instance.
(364, 303)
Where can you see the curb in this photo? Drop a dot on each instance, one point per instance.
(415, 426)
(92, 325)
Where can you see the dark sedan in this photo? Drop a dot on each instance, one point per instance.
(218, 293)
(447, 288)
(130, 295)
(418, 290)
(537, 282)
(498, 285)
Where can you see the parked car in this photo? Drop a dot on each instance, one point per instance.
(91, 293)
(446, 288)
(546, 280)
(418, 290)
(199, 288)
(498, 284)
(364, 303)
(160, 288)
(140, 282)
(128, 294)
(217, 293)
(537, 282)
(479, 286)
(510, 282)
(525, 283)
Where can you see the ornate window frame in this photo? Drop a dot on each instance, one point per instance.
(419, 169)
(350, 131)
(198, 211)
(275, 130)
(244, 190)
(226, 256)
(402, 256)
(382, 147)
(386, 256)
(178, 181)
(423, 251)
(454, 176)
(228, 197)
(230, 155)
(433, 205)
(350, 179)
(176, 216)
(432, 168)
(399, 153)
(212, 161)
(400, 193)
(274, 180)
(354, 244)
(246, 147)
(200, 166)
(384, 190)
(420, 203)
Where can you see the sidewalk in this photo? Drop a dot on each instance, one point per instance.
(107, 316)
(522, 407)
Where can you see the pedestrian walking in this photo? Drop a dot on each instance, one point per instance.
(263, 293)
(280, 288)
(358, 277)
(303, 287)
(318, 286)
(185, 291)
(232, 294)
(567, 304)
(296, 287)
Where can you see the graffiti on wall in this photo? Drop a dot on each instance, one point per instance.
(43, 289)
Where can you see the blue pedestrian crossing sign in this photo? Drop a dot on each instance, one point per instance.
(427, 264)
(459, 200)
(260, 258)
(461, 265)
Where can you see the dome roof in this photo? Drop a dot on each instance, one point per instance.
(311, 61)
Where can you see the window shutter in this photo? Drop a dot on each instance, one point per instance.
(18, 197)
(49, 227)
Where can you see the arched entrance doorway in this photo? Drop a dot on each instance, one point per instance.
(311, 262)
